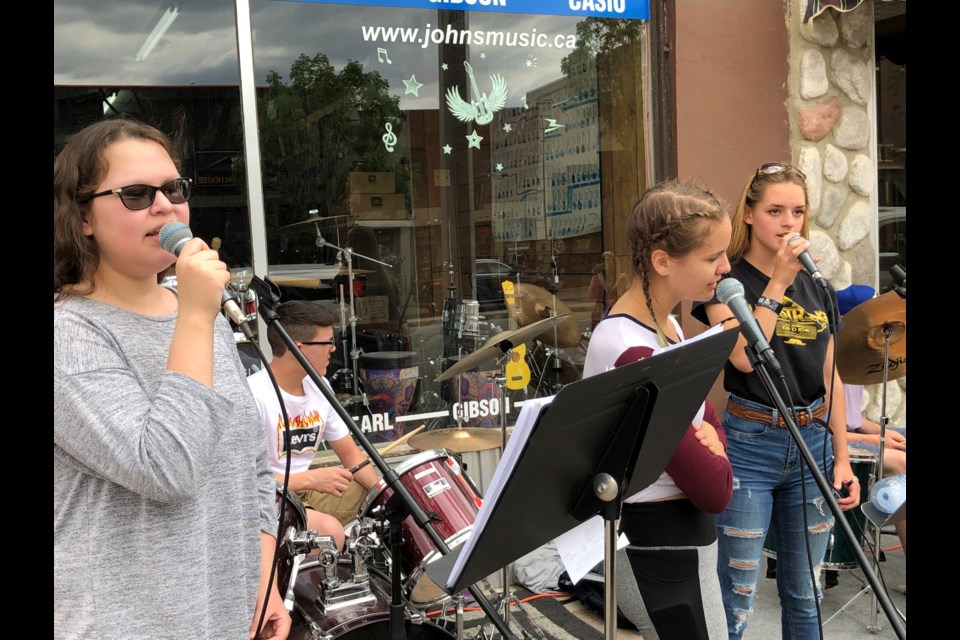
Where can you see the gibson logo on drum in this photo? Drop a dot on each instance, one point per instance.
(478, 408)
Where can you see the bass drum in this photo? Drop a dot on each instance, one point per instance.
(365, 621)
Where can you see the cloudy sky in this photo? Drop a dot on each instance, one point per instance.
(96, 42)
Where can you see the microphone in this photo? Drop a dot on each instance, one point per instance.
(807, 261)
(899, 285)
(173, 236)
(730, 293)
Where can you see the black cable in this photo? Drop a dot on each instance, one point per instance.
(286, 481)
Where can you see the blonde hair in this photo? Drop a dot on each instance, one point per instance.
(674, 216)
(753, 193)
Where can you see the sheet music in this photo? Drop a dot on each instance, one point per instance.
(581, 548)
(508, 461)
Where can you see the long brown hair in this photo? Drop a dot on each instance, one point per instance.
(76, 173)
(752, 194)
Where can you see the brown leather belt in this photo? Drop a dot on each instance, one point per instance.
(766, 417)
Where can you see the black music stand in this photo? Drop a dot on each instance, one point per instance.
(609, 435)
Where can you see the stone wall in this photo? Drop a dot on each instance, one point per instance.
(832, 137)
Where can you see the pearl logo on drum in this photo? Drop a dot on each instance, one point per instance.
(375, 422)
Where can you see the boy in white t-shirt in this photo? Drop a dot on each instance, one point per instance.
(310, 416)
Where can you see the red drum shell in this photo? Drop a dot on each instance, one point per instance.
(436, 483)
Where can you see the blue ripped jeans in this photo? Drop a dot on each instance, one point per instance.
(766, 469)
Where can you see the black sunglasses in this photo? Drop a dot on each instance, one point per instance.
(329, 343)
(137, 197)
(771, 168)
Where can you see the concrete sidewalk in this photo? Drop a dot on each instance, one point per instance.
(852, 623)
(854, 619)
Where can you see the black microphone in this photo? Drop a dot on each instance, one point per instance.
(173, 236)
(807, 261)
(730, 293)
(899, 285)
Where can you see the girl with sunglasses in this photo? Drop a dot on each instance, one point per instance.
(794, 314)
(678, 237)
(164, 503)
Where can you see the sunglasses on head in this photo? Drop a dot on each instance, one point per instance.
(772, 168)
(141, 196)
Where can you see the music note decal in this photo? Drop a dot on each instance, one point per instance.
(389, 138)
(381, 54)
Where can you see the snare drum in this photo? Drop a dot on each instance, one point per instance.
(436, 483)
(839, 555)
(390, 381)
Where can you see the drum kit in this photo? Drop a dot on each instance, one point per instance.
(334, 593)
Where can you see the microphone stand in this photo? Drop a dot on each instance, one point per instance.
(760, 366)
(268, 297)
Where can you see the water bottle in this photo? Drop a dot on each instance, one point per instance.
(888, 494)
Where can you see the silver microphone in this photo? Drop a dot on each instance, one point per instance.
(173, 236)
(730, 293)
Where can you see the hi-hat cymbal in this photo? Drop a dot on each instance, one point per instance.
(860, 345)
(313, 219)
(499, 344)
(357, 272)
(531, 303)
(458, 439)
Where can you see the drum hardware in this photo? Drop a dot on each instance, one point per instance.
(308, 585)
(500, 344)
(874, 339)
(463, 439)
(298, 545)
(345, 257)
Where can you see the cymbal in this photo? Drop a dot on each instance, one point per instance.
(313, 219)
(531, 303)
(357, 272)
(499, 344)
(457, 439)
(860, 345)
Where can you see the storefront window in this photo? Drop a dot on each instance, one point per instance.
(172, 65)
(462, 148)
(479, 166)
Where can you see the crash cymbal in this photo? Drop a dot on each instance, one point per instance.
(499, 344)
(860, 345)
(457, 439)
(531, 303)
(313, 219)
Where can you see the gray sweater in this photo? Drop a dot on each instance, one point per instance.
(160, 486)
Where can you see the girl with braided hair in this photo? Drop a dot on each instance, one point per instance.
(678, 234)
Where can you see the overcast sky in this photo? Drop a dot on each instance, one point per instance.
(95, 43)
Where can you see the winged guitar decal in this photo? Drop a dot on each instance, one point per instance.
(482, 108)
